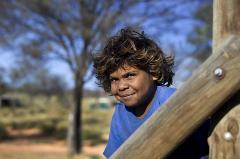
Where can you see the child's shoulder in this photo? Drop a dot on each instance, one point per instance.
(164, 93)
(166, 89)
(119, 107)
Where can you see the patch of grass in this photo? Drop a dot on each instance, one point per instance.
(51, 118)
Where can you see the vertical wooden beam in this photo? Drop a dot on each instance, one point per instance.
(226, 20)
(224, 141)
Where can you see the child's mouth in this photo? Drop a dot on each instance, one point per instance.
(126, 96)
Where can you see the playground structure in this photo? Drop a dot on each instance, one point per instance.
(213, 90)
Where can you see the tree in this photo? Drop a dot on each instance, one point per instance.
(199, 40)
(69, 30)
(201, 37)
(30, 75)
(3, 84)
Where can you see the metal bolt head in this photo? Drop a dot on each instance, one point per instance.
(227, 136)
(218, 72)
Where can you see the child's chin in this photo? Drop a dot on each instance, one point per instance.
(129, 102)
(130, 105)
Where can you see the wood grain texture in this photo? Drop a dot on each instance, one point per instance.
(224, 142)
(198, 98)
(226, 20)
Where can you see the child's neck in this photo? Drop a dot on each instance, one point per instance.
(141, 111)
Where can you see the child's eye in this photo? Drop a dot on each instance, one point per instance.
(113, 80)
(130, 75)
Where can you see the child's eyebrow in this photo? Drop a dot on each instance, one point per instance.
(112, 78)
(129, 73)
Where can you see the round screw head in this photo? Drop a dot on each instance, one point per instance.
(227, 136)
(218, 72)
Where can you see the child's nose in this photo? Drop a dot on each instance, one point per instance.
(122, 85)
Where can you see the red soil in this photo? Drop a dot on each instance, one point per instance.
(30, 140)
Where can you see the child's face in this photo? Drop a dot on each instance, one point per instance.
(132, 86)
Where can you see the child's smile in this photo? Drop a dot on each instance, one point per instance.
(132, 86)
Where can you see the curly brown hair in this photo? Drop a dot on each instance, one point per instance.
(132, 48)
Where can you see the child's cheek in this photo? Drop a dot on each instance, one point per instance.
(113, 90)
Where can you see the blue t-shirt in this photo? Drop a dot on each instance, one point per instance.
(124, 122)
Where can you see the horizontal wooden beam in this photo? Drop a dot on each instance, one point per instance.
(211, 85)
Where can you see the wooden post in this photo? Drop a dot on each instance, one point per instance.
(225, 139)
(189, 107)
(226, 21)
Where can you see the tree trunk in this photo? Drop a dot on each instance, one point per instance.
(75, 126)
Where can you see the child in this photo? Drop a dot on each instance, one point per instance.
(137, 73)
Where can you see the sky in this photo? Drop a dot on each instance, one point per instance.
(7, 61)
(178, 39)
(59, 68)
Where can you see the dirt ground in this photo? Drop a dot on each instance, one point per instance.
(30, 141)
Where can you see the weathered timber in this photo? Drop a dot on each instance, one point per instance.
(224, 110)
(226, 20)
(197, 99)
(225, 139)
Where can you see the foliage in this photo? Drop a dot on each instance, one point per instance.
(37, 113)
(3, 131)
(201, 38)
(34, 79)
(96, 125)
(3, 84)
(51, 119)
(39, 31)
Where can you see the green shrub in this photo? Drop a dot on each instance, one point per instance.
(53, 126)
(47, 128)
(92, 135)
(61, 129)
(3, 131)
